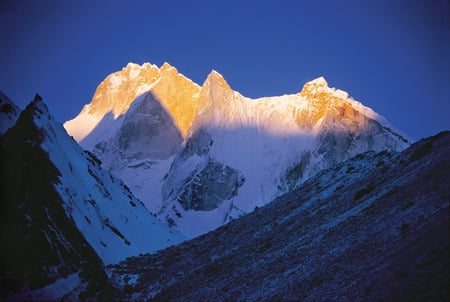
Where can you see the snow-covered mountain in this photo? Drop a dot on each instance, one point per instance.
(9, 113)
(61, 210)
(202, 156)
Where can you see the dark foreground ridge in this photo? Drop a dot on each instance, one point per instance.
(374, 228)
(40, 243)
(62, 217)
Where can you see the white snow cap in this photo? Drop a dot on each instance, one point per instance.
(215, 72)
(319, 81)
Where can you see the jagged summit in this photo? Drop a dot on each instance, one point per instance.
(37, 107)
(215, 95)
(320, 81)
(166, 66)
(215, 79)
(321, 85)
(214, 73)
(36, 114)
(37, 98)
(114, 95)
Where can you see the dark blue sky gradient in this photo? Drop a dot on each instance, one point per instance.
(392, 55)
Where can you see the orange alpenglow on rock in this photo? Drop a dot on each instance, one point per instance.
(326, 104)
(119, 89)
(183, 100)
(178, 94)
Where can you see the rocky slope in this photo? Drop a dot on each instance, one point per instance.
(373, 228)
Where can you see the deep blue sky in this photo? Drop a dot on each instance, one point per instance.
(392, 55)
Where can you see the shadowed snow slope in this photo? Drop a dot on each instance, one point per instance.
(61, 210)
(199, 157)
(373, 228)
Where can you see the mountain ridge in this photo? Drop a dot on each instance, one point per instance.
(264, 146)
(33, 217)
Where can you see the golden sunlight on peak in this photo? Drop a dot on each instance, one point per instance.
(325, 103)
(215, 79)
(320, 81)
(166, 66)
(179, 95)
(315, 86)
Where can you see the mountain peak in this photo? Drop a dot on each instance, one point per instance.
(37, 98)
(319, 86)
(215, 79)
(166, 66)
(37, 105)
(314, 86)
(320, 81)
(131, 65)
(215, 73)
